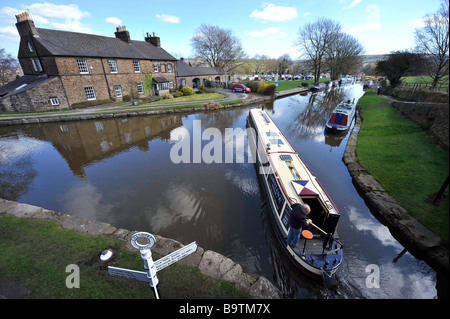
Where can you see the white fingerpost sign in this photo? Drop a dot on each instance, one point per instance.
(150, 266)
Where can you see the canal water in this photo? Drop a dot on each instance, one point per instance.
(122, 171)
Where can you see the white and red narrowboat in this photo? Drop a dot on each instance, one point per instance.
(342, 117)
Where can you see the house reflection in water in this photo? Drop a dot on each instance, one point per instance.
(83, 143)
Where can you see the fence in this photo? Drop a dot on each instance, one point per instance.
(440, 87)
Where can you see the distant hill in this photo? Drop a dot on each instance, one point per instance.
(368, 59)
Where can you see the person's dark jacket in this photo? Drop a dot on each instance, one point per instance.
(298, 217)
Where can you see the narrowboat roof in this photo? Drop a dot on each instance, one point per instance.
(292, 172)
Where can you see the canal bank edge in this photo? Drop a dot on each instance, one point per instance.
(415, 237)
(208, 262)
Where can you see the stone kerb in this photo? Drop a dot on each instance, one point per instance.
(208, 262)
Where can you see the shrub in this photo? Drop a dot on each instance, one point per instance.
(176, 95)
(201, 89)
(179, 93)
(168, 96)
(126, 98)
(270, 89)
(187, 90)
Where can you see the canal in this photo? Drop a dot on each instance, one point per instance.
(120, 171)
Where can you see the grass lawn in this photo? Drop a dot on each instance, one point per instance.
(287, 85)
(36, 252)
(404, 160)
(190, 98)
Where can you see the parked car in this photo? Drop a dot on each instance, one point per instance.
(241, 88)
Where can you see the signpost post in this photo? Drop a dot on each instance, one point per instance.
(151, 267)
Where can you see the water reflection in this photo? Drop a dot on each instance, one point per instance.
(119, 171)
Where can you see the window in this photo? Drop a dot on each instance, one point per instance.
(171, 84)
(54, 101)
(140, 88)
(155, 67)
(34, 65)
(90, 93)
(169, 68)
(183, 82)
(99, 126)
(112, 66)
(83, 66)
(30, 47)
(118, 90)
(38, 63)
(137, 66)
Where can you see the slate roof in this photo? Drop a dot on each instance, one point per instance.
(21, 84)
(66, 43)
(185, 70)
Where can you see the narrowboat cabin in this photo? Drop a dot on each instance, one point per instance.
(342, 117)
(288, 180)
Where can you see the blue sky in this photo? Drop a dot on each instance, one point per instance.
(264, 27)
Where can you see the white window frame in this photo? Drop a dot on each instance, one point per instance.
(118, 90)
(90, 93)
(34, 65)
(39, 65)
(113, 66)
(169, 67)
(155, 67)
(140, 88)
(54, 101)
(83, 66)
(137, 66)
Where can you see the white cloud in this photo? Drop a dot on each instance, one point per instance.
(274, 13)
(113, 20)
(9, 34)
(306, 14)
(354, 3)
(56, 11)
(363, 27)
(168, 18)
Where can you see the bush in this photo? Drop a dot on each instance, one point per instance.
(270, 89)
(201, 89)
(126, 98)
(179, 93)
(168, 96)
(176, 95)
(187, 90)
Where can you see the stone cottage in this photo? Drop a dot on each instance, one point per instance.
(62, 68)
(196, 76)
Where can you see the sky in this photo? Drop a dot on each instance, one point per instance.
(263, 27)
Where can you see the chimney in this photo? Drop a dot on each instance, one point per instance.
(122, 34)
(153, 40)
(25, 25)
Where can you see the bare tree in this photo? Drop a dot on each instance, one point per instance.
(218, 47)
(314, 40)
(433, 40)
(284, 64)
(9, 67)
(344, 56)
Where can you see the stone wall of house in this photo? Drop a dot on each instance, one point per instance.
(37, 98)
(433, 117)
(103, 81)
(203, 79)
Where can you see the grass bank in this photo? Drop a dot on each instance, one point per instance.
(190, 98)
(36, 253)
(403, 159)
